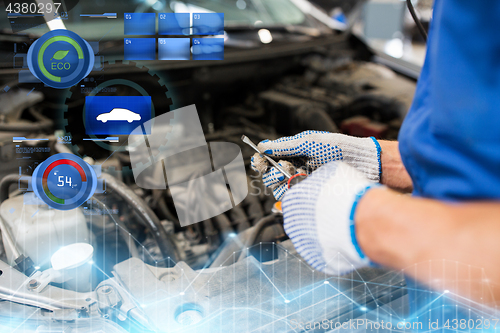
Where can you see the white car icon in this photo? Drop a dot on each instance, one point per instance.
(119, 114)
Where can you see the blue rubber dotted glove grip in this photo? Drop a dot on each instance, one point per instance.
(272, 177)
(310, 150)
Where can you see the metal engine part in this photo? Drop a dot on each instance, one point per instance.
(252, 296)
(207, 284)
(38, 231)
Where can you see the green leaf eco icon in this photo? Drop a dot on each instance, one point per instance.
(60, 55)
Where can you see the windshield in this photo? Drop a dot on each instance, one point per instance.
(247, 12)
(237, 13)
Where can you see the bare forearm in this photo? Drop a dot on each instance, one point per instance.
(394, 173)
(448, 247)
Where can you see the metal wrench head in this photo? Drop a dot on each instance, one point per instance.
(249, 142)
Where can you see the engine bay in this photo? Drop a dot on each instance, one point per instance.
(144, 271)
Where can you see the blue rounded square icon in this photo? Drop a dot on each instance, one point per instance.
(208, 48)
(174, 48)
(174, 24)
(116, 115)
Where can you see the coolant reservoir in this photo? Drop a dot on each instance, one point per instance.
(39, 231)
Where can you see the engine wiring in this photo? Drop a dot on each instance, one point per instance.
(419, 24)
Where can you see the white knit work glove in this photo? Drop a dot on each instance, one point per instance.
(319, 218)
(307, 151)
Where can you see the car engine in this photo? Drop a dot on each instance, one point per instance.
(236, 271)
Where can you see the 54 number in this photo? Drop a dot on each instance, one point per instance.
(62, 180)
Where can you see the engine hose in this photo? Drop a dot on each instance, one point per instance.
(309, 116)
(165, 211)
(211, 234)
(244, 112)
(414, 16)
(42, 123)
(164, 240)
(5, 184)
(123, 231)
(254, 207)
(239, 218)
(256, 230)
(223, 224)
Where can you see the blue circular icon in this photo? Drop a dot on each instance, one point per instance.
(64, 181)
(60, 58)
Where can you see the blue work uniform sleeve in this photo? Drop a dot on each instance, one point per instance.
(450, 140)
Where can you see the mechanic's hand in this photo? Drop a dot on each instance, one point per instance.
(309, 150)
(318, 217)
(272, 177)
